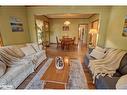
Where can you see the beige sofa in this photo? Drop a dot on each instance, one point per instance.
(15, 74)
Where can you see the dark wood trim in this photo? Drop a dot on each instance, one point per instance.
(91, 16)
(53, 43)
(95, 20)
(69, 17)
(66, 18)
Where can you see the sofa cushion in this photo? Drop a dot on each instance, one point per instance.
(2, 68)
(13, 51)
(12, 72)
(18, 51)
(97, 54)
(123, 65)
(106, 82)
(100, 49)
(28, 50)
(122, 83)
(35, 46)
(40, 47)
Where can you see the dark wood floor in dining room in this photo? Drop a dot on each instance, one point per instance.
(77, 51)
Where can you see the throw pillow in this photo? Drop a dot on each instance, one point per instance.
(35, 46)
(2, 68)
(122, 83)
(40, 47)
(100, 49)
(28, 50)
(8, 50)
(97, 54)
(17, 51)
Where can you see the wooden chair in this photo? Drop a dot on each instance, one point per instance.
(72, 43)
(58, 43)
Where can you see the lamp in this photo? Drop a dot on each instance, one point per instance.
(66, 27)
(93, 31)
(66, 23)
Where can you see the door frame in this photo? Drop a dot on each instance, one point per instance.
(79, 31)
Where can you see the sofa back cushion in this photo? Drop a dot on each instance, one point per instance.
(123, 65)
(28, 50)
(122, 82)
(13, 51)
(100, 49)
(2, 68)
(97, 54)
(17, 51)
(35, 46)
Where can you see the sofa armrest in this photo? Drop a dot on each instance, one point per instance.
(106, 82)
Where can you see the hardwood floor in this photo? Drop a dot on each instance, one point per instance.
(52, 51)
(77, 52)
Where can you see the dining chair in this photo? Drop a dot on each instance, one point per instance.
(58, 43)
(72, 43)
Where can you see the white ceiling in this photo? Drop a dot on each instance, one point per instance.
(70, 15)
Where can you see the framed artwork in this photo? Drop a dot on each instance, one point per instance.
(124, 34)
(65, 28)
(16, 24)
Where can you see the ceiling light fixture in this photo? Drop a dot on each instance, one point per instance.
(67, 23)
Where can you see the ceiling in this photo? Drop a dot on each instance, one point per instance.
(86, 16)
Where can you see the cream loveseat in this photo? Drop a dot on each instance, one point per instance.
(17, 62)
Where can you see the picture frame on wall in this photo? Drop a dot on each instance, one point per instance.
(65, 28)
(124, 34)
(16, 24)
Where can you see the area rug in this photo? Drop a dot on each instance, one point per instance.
(77, 79)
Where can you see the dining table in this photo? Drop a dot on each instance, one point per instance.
(66, 42)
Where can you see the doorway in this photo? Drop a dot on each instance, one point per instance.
(82, 33)
(93, 34)
(39, 31)
(42, 30)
